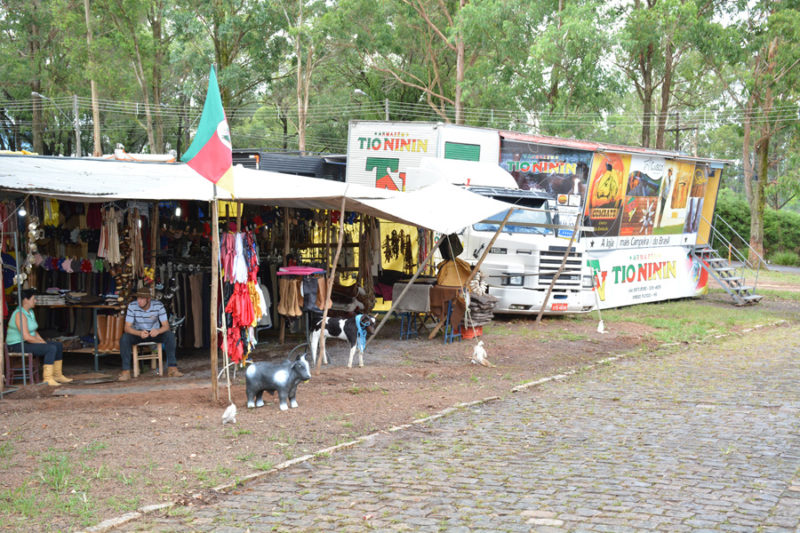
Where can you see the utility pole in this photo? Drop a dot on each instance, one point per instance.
(677, 129)
(77, 125)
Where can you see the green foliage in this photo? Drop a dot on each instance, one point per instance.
(781, 228)
(785, 258)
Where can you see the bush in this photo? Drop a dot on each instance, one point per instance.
(781, 228)
(785, 258)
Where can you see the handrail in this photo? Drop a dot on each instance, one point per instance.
(716, 233)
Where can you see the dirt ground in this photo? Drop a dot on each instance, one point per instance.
(91, 451)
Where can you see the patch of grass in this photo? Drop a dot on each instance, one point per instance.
(6, 450)
(237, 432)
(685, 320)
(56, 471)
(245, 457)
(224, 471)
(92, 448)
(23, 500)
(421, 414)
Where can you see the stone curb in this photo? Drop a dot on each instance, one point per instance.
(108, 525)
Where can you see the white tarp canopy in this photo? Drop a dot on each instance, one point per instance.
(433, 170)
(440, 207)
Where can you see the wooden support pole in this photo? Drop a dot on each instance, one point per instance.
(214, 297)
(331, 279)
(154, 232)
(286, 249)
(560, 269)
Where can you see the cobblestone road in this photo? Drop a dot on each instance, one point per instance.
(693, 441)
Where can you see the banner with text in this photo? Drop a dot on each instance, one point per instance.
(626, 277)
(561, 172)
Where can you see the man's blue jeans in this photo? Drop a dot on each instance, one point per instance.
(127, 341)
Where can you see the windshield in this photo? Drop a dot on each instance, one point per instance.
(521, 221)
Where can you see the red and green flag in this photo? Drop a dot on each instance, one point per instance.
(211, 153)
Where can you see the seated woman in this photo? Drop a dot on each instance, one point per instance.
(22, 329)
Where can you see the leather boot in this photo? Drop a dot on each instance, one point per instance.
(173, 372)
(119, 327)
(108, 341)
(297, 308)
(47, 376)
(283, 298)
(125, 375)
(57, 375)
(102, 321)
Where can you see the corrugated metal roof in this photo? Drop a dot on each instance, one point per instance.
(592, 146)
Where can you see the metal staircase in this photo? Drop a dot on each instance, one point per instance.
(734, 273)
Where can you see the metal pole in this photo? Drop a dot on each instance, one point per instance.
(214, 296)
(386, 108)
(19, 304)
(77, 125)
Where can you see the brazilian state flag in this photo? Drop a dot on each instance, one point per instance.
(211, 153)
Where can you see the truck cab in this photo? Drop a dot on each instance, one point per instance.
(526, 255)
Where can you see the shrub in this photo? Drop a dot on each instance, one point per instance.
(785, 258)
(781, 228)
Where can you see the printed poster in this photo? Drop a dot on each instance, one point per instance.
(627, 277)
(560, 172)
(606, 191)
(641, 197)
(671, 216)
(694, 207)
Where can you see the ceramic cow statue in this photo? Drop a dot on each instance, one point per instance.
(282, 377)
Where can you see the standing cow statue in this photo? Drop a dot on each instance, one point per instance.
(282, 377)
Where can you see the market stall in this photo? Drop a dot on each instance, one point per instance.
(97, 181)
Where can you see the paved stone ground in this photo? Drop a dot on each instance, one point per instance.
(705, 439)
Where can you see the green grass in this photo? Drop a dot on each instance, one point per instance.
(686, 321)
(6, 450)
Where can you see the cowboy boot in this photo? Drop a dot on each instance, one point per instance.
(57, 375)
(296, 303)
(100, 330)
(110, 323)
(47, 376)
(119, 327)
(283, 298)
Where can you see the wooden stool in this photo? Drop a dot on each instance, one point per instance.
(13, 367)
(155, 354)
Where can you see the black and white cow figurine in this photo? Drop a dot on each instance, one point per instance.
(282, 377)
(353, 330)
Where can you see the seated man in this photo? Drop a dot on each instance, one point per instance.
(146, 321)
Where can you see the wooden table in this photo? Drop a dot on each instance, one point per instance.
(94, 307)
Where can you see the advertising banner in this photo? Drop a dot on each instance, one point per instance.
(671, 216)
(645, 181)
(561, 172)
(378, 154)
(606, 191)
(626, 277)
(694, 207)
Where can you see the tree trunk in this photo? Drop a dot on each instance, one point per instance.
(158, 58)
(36, 86)
(38, 144)
(98, 146)
(758, 202)
(460, 69)
(138, 69)
(666, 95)
(646, 69)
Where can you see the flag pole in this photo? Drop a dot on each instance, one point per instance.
(214, 294)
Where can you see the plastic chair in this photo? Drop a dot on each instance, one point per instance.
(13, 367)
(155, 354)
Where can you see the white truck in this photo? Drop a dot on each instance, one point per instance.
(522, 261)
(641, 213)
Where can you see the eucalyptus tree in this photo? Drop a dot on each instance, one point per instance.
(757, 61)
(654, 38)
